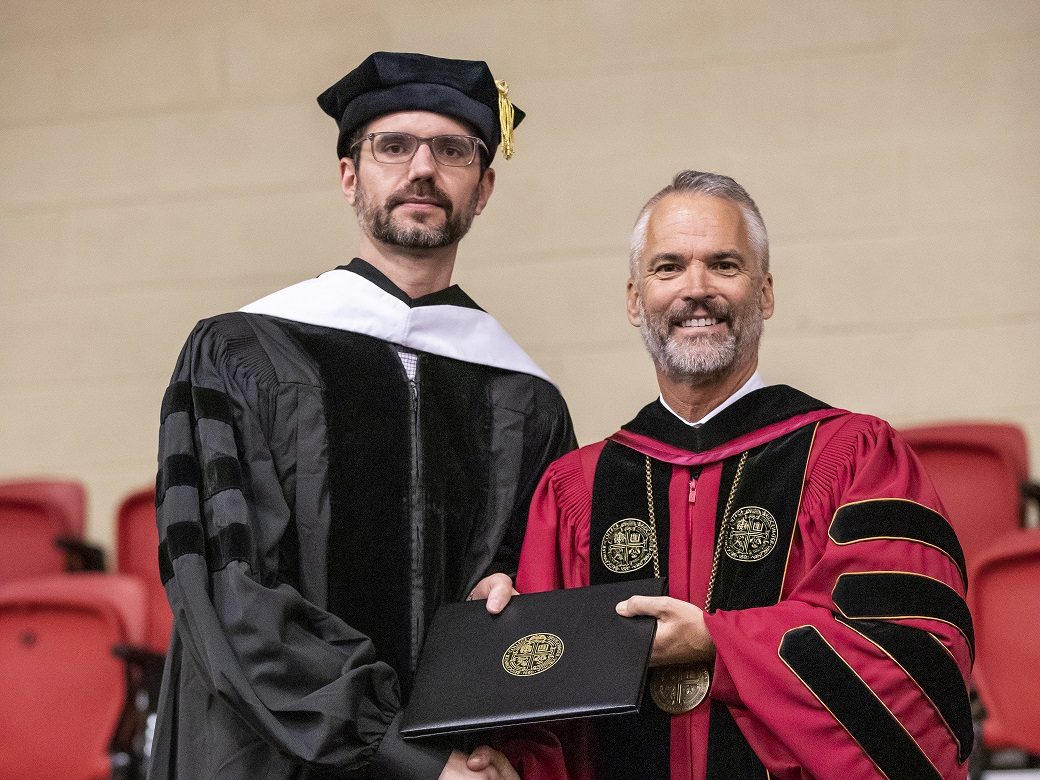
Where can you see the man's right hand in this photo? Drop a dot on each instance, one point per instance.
(484, 763)
(681, 638)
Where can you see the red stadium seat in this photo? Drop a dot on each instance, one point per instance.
(29, 532)
(979, 470)
(41, 529)
(1005, 600)
(65, 691)
(137, 553)
(67, 496)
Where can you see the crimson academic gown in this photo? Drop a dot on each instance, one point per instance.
(843, 643)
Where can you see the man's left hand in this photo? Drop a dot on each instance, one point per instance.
(497, 589)
(681, 637)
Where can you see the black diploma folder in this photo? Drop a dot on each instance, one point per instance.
(548, 656)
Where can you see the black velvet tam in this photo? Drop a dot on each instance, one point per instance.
(389, 81)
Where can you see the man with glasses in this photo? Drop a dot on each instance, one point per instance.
(340, 457)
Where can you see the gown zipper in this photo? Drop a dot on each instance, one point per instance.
(415, 520)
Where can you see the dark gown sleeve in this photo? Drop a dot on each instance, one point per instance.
(547, 435)
(258, 676)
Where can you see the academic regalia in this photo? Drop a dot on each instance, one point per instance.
(315, 507)
(843, 640)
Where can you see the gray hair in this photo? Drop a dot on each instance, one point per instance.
(717, 186)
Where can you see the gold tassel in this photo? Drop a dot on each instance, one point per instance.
(505, 118)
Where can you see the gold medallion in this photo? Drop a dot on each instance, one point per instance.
(751, 534)
(626, 546)
(679, 688)
(532, 654)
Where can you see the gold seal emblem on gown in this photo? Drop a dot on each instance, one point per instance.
(626, 546)
(532, 654)
(679, 688)
(751, 534)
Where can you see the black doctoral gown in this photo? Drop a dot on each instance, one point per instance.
(315, 506)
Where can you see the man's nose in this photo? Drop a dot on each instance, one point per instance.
(695, 282)
(422, 165)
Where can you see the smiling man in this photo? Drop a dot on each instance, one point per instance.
(815, 624)
(342, 456)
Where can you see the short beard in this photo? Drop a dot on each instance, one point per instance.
(700, 357)
(378, 220)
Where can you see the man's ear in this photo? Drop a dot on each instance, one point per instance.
(486, 187)
(767, 297)
(348, 179)
(632, 303)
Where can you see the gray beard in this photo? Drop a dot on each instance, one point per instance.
(378, 222)
(701, 356)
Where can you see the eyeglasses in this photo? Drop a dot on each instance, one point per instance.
(452, 150)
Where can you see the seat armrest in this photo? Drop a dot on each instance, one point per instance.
(81, 555)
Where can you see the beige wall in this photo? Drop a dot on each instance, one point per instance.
(160, 162)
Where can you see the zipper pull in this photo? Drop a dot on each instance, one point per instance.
(693, 489)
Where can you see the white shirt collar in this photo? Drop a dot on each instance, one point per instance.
(754, 383)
